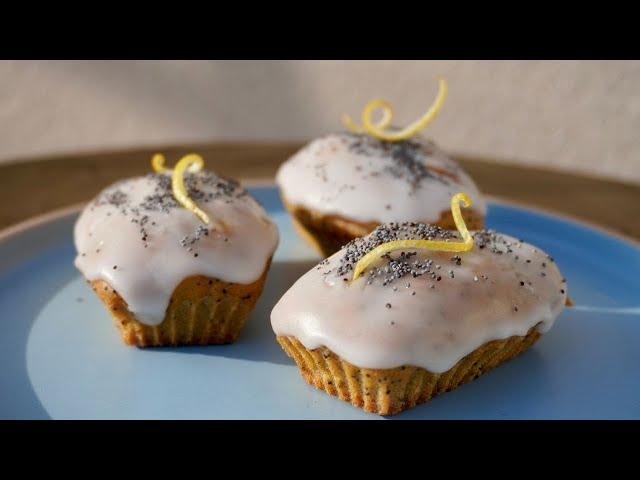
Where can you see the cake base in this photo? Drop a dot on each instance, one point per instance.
(390, 391)
(201, 311)
(329, 233)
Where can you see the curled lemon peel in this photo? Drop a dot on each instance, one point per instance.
(461, 246)
(377, 130)
(387, 116)
(179, 189)
(158, 164)
(192, 163)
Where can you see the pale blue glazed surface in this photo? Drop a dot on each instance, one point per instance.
(61, 355)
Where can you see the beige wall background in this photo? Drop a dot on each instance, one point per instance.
(575, 115)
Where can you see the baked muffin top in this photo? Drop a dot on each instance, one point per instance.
(137, 237)
(365, 179)
(420, 307)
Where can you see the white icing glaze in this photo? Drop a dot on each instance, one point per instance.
(433, 328)
(351, 176)
(146, 276)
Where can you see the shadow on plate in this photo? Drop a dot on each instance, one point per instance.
(257, 342)
(490, 396)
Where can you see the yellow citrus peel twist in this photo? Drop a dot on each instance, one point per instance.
(193, 163)
(387, 116)
(462, 246)
(378, 131)
(158, 164)
(179, 189)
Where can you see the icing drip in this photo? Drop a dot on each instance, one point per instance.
(140, 240)
(419, 307)
(365, 179)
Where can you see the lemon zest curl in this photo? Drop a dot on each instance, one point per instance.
(158, 164)
(460, 246)
(378, 131)
(387, 116)
(192, 163)
(179, 189)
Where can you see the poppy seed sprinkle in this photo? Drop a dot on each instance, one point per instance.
(411, 262)
(406, 160)
(161, 199)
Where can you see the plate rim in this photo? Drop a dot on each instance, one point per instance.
(58, 213)
(38, 220)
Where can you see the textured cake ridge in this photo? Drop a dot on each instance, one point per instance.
(390, 391)
(201, 311)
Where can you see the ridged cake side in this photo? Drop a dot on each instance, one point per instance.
(201, 311)
(390, 391)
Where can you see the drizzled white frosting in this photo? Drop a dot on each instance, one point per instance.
(138, 239)
(372, 325)
(361, 178)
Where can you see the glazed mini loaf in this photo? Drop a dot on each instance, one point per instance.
(167, 277)
(341, 186)
(416, 322)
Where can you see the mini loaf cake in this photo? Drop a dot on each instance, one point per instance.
(412, 322)
(341, 186)
(167, 276)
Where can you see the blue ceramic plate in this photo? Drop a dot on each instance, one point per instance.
(62, 357)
